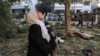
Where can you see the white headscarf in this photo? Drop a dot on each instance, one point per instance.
(32, 18)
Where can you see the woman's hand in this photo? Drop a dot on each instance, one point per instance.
(56, 40)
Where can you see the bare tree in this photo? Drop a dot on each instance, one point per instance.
(67, 16)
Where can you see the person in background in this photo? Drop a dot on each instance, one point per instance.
(80, 19)
(39, 41)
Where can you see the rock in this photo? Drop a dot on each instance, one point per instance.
(87, 52)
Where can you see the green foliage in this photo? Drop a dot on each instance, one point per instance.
(44, 7)
(47, 1)
(6, 24)
(60, 1)
(11, 1)
(49, 4)
(21, 15)
(22, 29)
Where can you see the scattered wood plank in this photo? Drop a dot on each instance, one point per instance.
(83, 35)
(97, 34)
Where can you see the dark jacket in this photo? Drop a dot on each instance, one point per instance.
(37, 46)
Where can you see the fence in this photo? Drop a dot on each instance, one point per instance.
(85, 17)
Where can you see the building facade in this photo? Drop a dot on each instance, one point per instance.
(76, 5)
(19, 9)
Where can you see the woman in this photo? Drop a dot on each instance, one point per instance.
(40, 43)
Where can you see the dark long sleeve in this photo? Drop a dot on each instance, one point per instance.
(36, 40)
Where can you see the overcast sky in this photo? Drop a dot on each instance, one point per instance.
(34, 2)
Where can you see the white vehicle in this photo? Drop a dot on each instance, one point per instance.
(51, 17)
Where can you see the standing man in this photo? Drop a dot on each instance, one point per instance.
(80, 19)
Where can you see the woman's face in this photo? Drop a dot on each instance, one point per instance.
(40, 15)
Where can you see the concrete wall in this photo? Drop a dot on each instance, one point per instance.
(75, 7)
(93, 4)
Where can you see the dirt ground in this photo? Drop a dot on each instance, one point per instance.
(72, 46)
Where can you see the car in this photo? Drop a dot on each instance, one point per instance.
(51, 17)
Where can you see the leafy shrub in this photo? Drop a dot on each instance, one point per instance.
(22, 29)
(6, 24)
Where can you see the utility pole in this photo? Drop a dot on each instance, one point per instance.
(67, 17)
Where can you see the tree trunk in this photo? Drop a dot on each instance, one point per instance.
(67, 16)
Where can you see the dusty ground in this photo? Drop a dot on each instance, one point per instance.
(72, 46)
